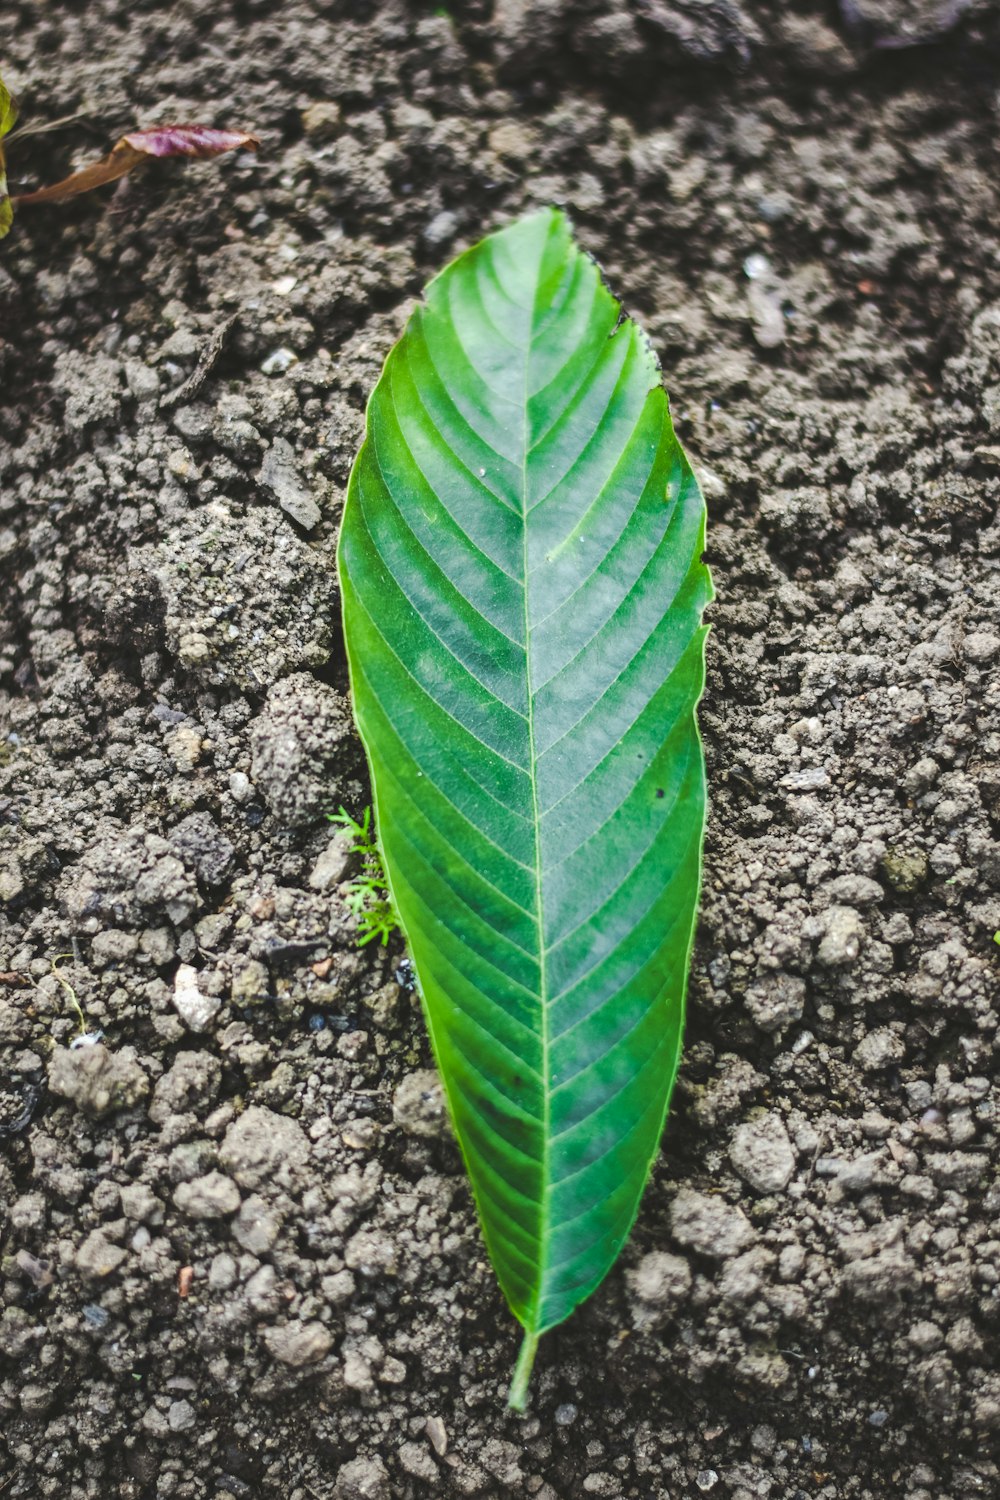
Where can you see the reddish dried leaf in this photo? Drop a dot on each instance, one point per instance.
(189, 140)
(165, 140)
(116, 164)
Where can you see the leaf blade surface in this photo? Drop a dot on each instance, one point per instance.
(522, 585)
(8, 119)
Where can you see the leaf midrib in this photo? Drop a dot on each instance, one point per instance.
(544, 1195)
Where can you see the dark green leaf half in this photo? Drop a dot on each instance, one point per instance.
(523, 589)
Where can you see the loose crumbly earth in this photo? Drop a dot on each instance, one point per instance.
(238, 1253)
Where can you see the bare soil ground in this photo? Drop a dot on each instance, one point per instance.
(238, 1252)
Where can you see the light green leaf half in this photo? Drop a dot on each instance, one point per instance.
(520, 564)
(8, 117)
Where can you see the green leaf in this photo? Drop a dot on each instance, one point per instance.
(8, 116)
(520, 564)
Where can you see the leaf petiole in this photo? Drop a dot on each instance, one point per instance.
(517, 1399)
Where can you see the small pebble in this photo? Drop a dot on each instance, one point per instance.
(279, 361)
(709, 1225)
(982, 646)
(438, 1437)
(240, 786)
(441, 230)
(298, 1344)
(843, 935)
(196, 1010)
(279, 473)
(756, 266)
(213, 1196)
(88, 1039)
(775, 206)
(181, 1416)
(762, 1153)
(878, 1050)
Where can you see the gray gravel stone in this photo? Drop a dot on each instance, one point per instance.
(190, 1083)
(441, 230)
(263, 1147)
(372, 1253)
(334, 863)
(982, 646)
(879, 1049)
(112, 948)
(195, 1009)
(776, 1000)
(881, 1277)
(154, 1422)
(363, 1478)
(213, 1196)
(709, 1226)
(97, 1257)
(91, 386)
(958, 1170)
(842, 936)
(298, 1344)
(854, 890)
(140, 1203)
(414, 1459)
(256, 1226)
(157, 945)
(762, 1153)
(181, 1416)
(279, 474)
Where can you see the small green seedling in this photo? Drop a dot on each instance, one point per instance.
(367, 895)
(523, 586)
(83, 1037)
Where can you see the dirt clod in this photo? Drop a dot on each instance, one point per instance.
(296, 745)
(96, 1079)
